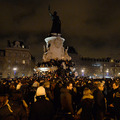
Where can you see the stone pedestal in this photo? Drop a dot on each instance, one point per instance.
(54, 49)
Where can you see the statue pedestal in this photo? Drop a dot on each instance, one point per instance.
(55, 49)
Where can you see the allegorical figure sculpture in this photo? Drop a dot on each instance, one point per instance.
(56, 25)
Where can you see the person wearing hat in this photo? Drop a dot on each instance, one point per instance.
(42, 108)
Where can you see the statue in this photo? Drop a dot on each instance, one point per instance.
(56, 25)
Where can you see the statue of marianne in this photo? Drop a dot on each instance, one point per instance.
(56, 25)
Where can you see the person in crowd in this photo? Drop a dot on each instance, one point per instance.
(99, 105)
(12, 87)
(18, 105)
(11, 107)
(56, 90)
(35, 84)
(18, 85)
(116, 99)
(87, 102)
(109, 97)
(42, 109)
(66, 101)
(48, 91)
(6, 112)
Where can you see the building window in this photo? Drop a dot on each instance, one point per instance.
(23, 55)
(23, 68)
(8, 54)
(1, 54)
(16, 54)
(23, 61)
(16, 61)
(9, 61)
(9, 67)
(23, 46)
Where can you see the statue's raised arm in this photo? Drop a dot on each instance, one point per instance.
(49, 10)
(56, 25)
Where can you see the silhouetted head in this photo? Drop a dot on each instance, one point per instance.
(55, 13)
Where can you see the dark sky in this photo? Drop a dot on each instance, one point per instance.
(92, 27)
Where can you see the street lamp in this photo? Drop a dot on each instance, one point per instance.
(107, 71)
(15, 69)
(82, 72)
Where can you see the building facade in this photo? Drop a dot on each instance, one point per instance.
(96, 67)
(17, 61)
(2, 59)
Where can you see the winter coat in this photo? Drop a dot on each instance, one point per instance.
(99, 105)
(99, 100)
(87, 107)
(42, 109)
(66, 101)
(116, 103)
(57, 103)
(49, 94)
(116, 99)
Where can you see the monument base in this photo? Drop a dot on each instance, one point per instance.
(54, 49)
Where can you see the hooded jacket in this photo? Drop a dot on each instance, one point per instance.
(87, 107)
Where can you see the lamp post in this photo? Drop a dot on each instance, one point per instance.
(15, 69)
(114, 67)
(103, 70)
(82, 72)
(107, 72)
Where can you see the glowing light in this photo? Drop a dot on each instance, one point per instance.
(112, 60)
(44, 69)
(23, 46)
(74, 69)
(14, 68)
(51, 38)
(107, 71)
(23, 61)
(82, 70)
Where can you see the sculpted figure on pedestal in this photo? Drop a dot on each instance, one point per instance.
(56, 25)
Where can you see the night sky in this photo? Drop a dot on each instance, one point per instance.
(92, 27)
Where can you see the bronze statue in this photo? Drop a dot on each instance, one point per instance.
(56, 25)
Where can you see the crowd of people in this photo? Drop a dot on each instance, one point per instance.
(38, 98)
